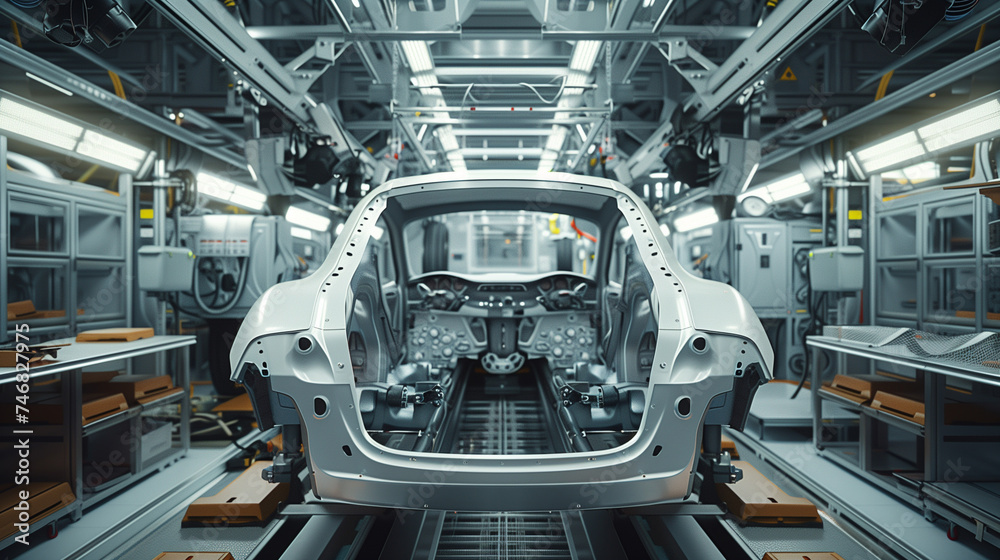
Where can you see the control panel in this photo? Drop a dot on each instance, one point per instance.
(441, 338)
(564, 338)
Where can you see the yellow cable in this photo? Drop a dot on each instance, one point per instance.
(883, 85)
(17, 34)
(88, 174)
(116, 81)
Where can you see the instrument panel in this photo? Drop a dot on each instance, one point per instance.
(558, 291)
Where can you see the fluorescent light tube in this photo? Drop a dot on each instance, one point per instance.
(302, 233)
(22, 120)
(305, 218)
(228, 191)
(665, 230)
(61, 90)
(890, 152)
(418, 56)
(107, 149)
(584, 55)
(695, 220)
(980, 120)
(248, 198)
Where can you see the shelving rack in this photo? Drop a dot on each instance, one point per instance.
(72, 251)
(949, 477)
(65, 444)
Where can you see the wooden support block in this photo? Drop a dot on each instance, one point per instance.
(861, 389)
(194, 556)
(757, 501)
(248, 500)
(44, 499)
(903, 407)
(802, 556)
(730, 446)
(102, 407)
(115, 335)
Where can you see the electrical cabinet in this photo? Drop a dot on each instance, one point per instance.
(237, 256)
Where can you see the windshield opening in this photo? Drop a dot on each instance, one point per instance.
(485, 242)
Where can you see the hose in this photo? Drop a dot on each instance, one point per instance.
(241, 283)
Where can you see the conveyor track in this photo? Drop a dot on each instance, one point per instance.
(512, 423)
(502, 536)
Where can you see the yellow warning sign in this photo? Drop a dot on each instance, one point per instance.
(788, 76)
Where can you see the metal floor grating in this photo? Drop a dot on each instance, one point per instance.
(502, 426)
(503, 536)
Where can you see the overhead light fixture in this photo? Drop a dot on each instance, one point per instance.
(783, 188)
(27, 121)
(889, 153)
(584, 55)
(356, 3)
(24, 120)
(417, 55)
(660, 175)
(581, 132)
(61, 90)
(695, 220)
(228, 191)
(307, 219)
(339, 228)
(977, 121)
(914, 174)
(665, 230)
(420, 135)
(109, 150)
(967, 125)
(302, 233)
